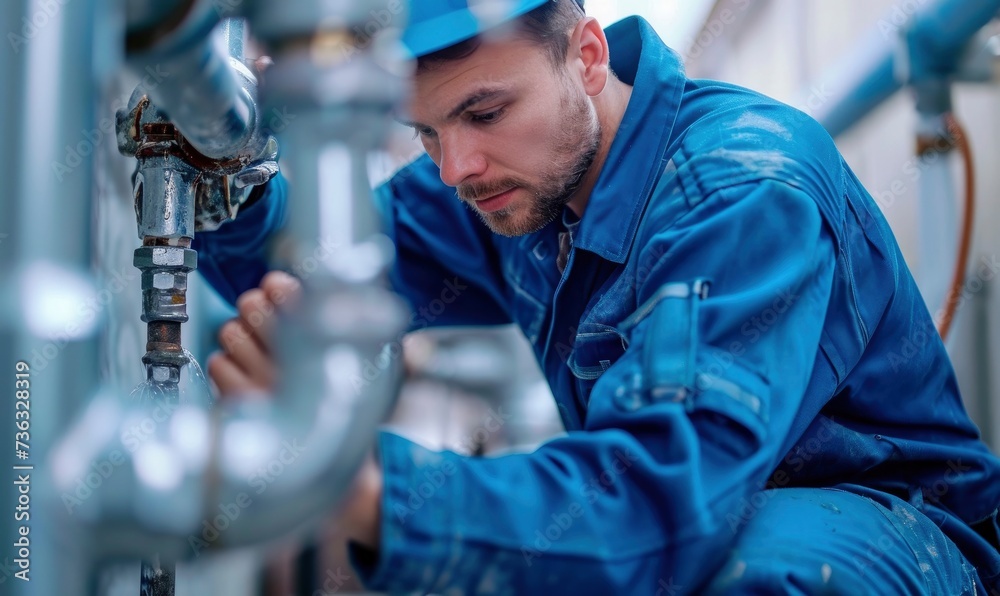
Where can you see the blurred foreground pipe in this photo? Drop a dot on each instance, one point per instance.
(48, 123)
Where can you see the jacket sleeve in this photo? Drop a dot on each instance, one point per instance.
(680, 431)
(443, 267)
(233, 258)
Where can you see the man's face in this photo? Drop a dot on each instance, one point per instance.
(510, 131)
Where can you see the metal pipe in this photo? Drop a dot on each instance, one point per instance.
(936, 38)
(204, 97)
(145, 16)
(234, 33)
(50, 137)
(938, 216)
(14, 336)
(185, 488)
(341, 95)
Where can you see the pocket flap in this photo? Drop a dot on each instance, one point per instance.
(594, 352)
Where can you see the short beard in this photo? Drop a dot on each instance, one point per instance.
(576, 150)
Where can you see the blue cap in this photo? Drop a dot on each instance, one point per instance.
(438, 24)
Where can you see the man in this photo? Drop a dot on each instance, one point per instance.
(755, 398)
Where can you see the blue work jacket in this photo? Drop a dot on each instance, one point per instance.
(735, 316)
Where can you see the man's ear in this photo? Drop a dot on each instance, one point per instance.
(588, 55)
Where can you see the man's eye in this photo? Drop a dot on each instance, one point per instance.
(422, 131)
(489, 117)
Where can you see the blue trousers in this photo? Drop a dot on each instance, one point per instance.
(830, 541)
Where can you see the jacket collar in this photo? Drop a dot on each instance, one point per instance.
(640, 58)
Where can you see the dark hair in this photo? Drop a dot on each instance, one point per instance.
(548, 25)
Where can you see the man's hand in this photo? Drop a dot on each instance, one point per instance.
(245, 364)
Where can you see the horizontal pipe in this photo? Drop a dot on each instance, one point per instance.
(941, 33)
(855, 87)
(202, 96)
(188, 75)
(936, 38)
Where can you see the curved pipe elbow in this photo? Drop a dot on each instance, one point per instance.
(176, 480)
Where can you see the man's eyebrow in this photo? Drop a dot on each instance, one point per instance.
(405, 122)
(476, 97)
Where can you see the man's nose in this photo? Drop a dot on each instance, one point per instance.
(461, 159)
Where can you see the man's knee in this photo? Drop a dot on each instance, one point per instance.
(826, 541)
(784, 573)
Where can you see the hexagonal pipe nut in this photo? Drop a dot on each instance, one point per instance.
(149, 257)
(162, 280)
(164, 374)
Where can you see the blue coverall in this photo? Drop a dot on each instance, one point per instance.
(755, 395)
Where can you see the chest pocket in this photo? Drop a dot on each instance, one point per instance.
(529, 290)
(528, 312)
(595, 349)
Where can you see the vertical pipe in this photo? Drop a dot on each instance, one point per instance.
(938, 219)
(50, 136)
(13, 73)
(234, 31)
(304, 218)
